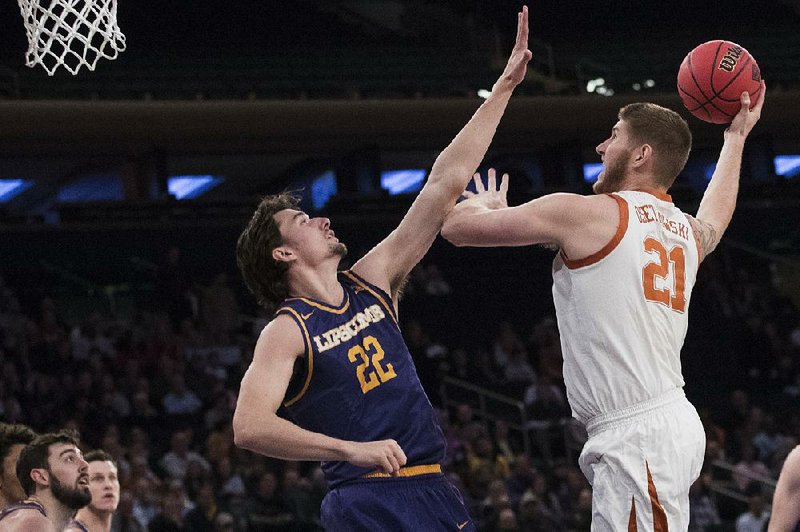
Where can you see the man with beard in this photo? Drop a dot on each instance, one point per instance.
(53, 474)
(334, 354)
(622, 280)
(13, 438)
(104, 486)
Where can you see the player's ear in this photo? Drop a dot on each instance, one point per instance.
(642, 155)
(40, 476)
(282, 254)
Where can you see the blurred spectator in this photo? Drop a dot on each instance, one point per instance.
(266, 506)
(124, 520)
(756, 516)
(176, 461)
(181, 400)
(145, 504)
(202, 517)
(219, 310)
(505, 343)
(749, 468)
(170, 517)
(224, 522)
(703, 512)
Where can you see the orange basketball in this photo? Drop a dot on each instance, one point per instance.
(713, 76)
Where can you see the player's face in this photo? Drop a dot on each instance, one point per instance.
(615, 152)
(69, 476)
(11, 488)
(104, 486)
(310, 238)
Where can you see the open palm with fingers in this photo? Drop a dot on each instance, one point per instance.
(490, 197)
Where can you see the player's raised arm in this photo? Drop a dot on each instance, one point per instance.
(484, 219)
(258, 428)
(719, 200)
(389, 262)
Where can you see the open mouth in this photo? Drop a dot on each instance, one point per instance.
(83, 482)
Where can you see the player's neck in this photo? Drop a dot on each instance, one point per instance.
(5, 501)
(93, 520)
(55, 510)
(642, 183)
(320, 284)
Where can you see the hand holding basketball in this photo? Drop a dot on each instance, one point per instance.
(749, 113)
(713, 77)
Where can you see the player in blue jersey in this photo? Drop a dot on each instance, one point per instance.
(104, 487)
(53, 473)
(334, 354)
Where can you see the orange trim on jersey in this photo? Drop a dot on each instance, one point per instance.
(352, 276)
(323, 306)
(659, 515)
(622, 227)
(309, 355)
(632, 526)
(653, 192)
(413, 471)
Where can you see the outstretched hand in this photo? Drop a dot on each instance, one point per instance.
(746, 118)
(517, 64)
(491, 197)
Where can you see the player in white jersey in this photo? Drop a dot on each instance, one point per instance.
(622, 283)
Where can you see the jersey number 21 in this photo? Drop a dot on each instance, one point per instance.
(675, 297)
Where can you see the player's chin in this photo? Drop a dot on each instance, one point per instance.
(337, 248)
(598, 186)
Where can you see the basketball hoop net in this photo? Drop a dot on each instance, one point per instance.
(70, 33)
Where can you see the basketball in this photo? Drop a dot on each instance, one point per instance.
(713, 76)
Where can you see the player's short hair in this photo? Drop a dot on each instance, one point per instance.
(36, 453)
(262, 274)
(665, 131)
(13, 434)
(99, 455)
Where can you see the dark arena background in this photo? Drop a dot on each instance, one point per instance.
(123, 190)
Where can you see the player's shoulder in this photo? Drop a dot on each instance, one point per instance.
(793, 460)
(283, 334)
(26, 519)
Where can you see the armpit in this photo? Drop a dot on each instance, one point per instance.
(705, 234)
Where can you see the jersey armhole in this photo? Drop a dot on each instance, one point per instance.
(622, 228)
(295, 390)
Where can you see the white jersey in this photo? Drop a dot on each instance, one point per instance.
(622, 312)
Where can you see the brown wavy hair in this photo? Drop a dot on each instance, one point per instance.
(35, 456)
(666, 132)
(263, 275)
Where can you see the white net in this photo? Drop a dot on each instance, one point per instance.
(71, 33)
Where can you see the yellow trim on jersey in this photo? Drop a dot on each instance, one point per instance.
(413, 471)
(363, 285)
(309, 356)
(324, 307)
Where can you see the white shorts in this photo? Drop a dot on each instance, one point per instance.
(641, 461)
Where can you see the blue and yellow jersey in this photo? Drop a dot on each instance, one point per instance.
(358, 381)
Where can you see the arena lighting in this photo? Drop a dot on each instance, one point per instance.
(322, 188)
(591, 171)
(92, 188)
(402, 181)
(191, 186)
(11, 188)
(483, 93)
(593, 84)
(709, 171)
(787, 165)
